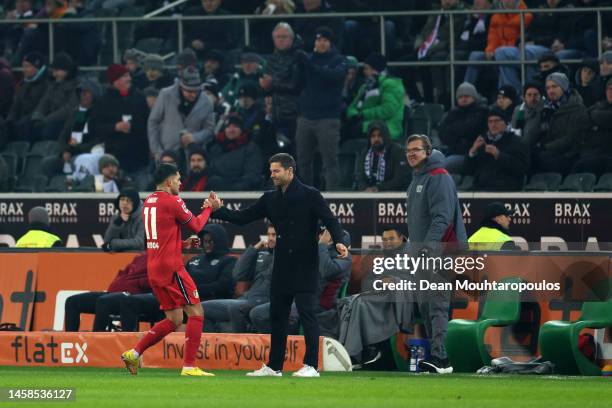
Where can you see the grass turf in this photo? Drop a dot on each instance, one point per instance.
(97, 387)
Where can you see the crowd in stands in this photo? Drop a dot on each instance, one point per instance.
(317, 88)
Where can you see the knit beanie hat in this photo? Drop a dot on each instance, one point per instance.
(114, 72)
(38, 214)
(376, 61)
(107, 160)
(35, 58)
(186, 58)
(153, 62)
(559, 79)
(325, 32)
(466, 89)
(497, 111)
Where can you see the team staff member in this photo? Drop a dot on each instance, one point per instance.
(435, 223)
(294, 209)
(164, 213)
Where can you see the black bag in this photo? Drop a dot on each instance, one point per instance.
(10, 327)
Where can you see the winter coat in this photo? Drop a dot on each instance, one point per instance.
(256, 267)
(566, 127)
(236, 169)
(461, 126)
(283, 69)
(526, 122)
(385, 103)
(126, 235)
(599, 134)
(505, 29)
(212, 272)
(236, 81)
(443, 37)
(323, 79)
(433, 207)
(166, 121)
(507, 172)
(58, 101)
(29, 94)
(131, 149)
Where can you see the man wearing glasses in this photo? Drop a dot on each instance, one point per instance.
(435, 225)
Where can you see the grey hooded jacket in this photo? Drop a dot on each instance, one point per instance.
(126, 236)
(433, 206)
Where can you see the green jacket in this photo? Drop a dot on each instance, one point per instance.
(387, 105)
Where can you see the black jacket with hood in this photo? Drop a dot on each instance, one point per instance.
(212, 272)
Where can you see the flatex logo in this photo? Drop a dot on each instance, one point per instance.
(40, 352)
(11, 211)
(520, 212)
(391, 212)
(62, 212)
(344, 211)
(572, 213)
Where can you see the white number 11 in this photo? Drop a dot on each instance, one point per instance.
(153, 227)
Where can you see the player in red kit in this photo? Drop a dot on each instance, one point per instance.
(164, 213)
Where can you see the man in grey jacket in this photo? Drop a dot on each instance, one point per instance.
(181, 116)
(125, 231)
(253, 266)
(435, 226)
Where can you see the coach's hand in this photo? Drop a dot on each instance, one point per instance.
(342, 250)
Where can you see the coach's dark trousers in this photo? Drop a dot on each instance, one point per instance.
(280, 307)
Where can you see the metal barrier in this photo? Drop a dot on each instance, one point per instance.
(382, 16)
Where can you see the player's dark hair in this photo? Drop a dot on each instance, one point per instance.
(399, 229)
(163, 171)
(424, 140)
(285, 160)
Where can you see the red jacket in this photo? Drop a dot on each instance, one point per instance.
(133, 278)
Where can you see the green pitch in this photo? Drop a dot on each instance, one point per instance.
(97, 387)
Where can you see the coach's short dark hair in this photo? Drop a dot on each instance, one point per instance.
(424, 140)
(285, 160)
(163, 171)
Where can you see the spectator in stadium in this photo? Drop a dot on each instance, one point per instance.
(120, 121)
(132, 59)
(433, 212)
(213, 67)
(125, 231)
(381, 166)
(586, 81)
(236, 161)
(280, 80)
(381, 98)
(504, 32)
(474, 34)
(307, 28)
(262, 28)
(220, 108)
(253, 268)
(526, 117)
(151, 94)
(498, 160)
(39, 233)
(59, 99)
(334, 272)
(130, 280)
(99, 172)
(459, 127)
(250, 109)
(29, 93)
(373, 316)
(595, 150)
(198, 171)
(7, 88)
(433, 44)
(75, 137)
(494, 229)
(186, 58)
(362, 36)
(605, 69)
(323, 74)
(155, 74)
(249, 73)
(352, 81)
(218, 34)
(182, 118)
(507, 99)
(12, 33)
(212, 270)
(549, 63)
(563, 122)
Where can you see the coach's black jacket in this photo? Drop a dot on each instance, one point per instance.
(295, 215)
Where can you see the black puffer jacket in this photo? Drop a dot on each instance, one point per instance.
(283, 69)
(462, 125)
(599, 136)
(29, 94)
(564, 130)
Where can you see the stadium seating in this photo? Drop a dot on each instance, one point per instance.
(45, 148)
(578, 182)
(544, 182)
(465, 338)
(467, 184)
(559, 339)
(32, 184)
(604, 184)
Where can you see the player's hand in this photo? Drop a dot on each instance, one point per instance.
(191, 242)
(342, 250)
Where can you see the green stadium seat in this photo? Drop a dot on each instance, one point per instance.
(604, 183)
(544, 182)
(31, 184)
(465, 345)
(578, 182)
(467, 184)
(20, 148)
(46, 148)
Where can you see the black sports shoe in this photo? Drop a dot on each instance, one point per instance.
(435, 365)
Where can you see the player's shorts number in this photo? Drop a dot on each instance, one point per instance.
(150, 222)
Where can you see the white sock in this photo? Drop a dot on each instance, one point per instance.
(136, 353)
(187, 368)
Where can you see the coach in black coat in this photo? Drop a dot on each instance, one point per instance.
(294, 209)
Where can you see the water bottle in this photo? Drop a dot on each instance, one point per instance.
(413, 359)
(420, 355)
